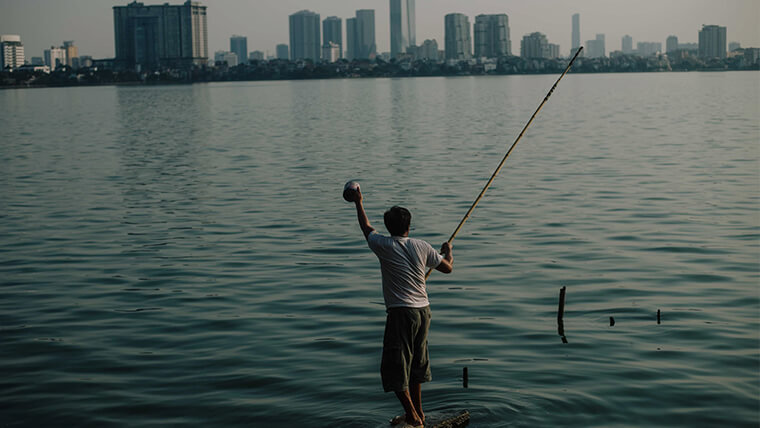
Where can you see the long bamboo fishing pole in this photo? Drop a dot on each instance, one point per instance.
(504, 159)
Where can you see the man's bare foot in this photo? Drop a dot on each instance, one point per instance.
(414, 420)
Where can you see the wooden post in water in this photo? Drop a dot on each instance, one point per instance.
(561, 314)
(465, 380)
(658, 316)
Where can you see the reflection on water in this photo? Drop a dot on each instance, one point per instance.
(182, 254)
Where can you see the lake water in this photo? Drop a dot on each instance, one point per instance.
(181, 255)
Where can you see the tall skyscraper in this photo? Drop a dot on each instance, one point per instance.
(403, 26)
(351, 38)
(492, 36)
(671, 44)
(11, 51)
(72, 53)
(595, 48)
(159, 36)
(55, 57)
(239, 45)
(365, 34)
(458, 43)
(332, 32)
(576, 35)
(627, 44)
(305, 40)
(282, 51)
(712, 41)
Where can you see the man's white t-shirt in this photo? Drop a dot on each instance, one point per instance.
(403, 263)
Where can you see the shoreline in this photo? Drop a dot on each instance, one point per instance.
(402, 76)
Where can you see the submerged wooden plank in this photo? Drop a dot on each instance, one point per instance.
(438, 419)
(448, 419)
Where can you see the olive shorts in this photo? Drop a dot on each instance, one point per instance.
(405, 349)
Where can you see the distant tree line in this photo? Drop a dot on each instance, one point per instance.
(306, 69)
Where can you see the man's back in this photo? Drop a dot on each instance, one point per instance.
(403, 262)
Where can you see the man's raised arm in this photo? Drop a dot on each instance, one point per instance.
(361, 215)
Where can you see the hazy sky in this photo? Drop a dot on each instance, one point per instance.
(42, 23)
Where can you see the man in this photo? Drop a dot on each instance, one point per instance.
(403, 263)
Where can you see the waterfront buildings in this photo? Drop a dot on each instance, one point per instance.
(282, 51)
(239, 45)
(160, 36)
(712, 41)
(536, 45)
(626, 44)
(11, 51)
(305, 40)
(671, 44)
(458, 41)
(55, 57)
(351, 38)
(732, 46)
(330, 52)
(365, 47)
(403, 27)
(595, 48)
(429, 50)
(230, 58)
(332, 32)
(576, 35)
(256, 56)
(492, 36)
(72, 54)
(648, 48)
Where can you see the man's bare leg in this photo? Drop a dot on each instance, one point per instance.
(412, 418)
(415, 391)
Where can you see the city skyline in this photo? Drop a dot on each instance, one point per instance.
(89, 22)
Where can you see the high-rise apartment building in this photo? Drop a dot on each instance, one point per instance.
(671, 44)
(492, 36)
(160, 36)
(627, 44)
(365, 34)
(536, 45)
(351, 40)
(11, 51)
(732, 46)
(403, 26)
(72, 54)
(458, 43)
(595, 48)
(332, 32)
(712, 41)
(305, 39)
(239, 45)
(576, 35)
(55, 57)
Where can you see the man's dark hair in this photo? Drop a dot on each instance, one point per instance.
(397, 220)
